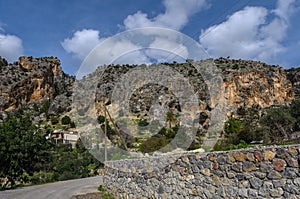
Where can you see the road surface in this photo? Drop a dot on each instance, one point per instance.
(57, 190)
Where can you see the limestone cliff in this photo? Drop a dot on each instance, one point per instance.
(33, 80)
(246, 84)
(294, 76)
(249, 83)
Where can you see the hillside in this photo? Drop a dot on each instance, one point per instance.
(250, 88)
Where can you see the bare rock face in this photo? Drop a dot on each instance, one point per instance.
(294, 76)
(246, 84)
(32, 80)
(251, 83)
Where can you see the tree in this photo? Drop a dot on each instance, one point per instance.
(233, 126)
(23, 148)
(233, 130)
(278, 122)
(295, 112)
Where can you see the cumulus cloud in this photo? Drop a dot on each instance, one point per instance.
(165, 50)
(82, 42)
(11, 47)
(176, 15)
(249, 34)
(285, 9)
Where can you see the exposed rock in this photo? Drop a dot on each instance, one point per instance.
(294, 76)
(33, 80)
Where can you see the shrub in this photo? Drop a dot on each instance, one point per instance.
(143, 123)
(278, 122)
(153, 144)
(100, 188)
(54, 120)
(101, 119)
(66, 120)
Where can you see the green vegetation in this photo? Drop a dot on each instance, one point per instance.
(65, 120)
(295, 113)
(153, 144)
(163, 137)
(275, 126)
(101, 119)
(104, 194)
(23, 148)
(100, 188)
(172, 119)
(278, 123)
(143, 123)
(54, 120)
(26, 156)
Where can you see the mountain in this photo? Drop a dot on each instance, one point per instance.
(247, 86)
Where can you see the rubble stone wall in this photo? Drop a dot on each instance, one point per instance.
(268, 172)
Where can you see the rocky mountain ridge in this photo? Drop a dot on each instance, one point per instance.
(246, 84)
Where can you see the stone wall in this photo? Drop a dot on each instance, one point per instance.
(270, 172)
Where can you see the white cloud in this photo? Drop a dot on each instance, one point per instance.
(176, 15)
(165, 50)
(82, 42)
(237, 36)
(11, 47)
(285, 9)
(247, 34)
(136, 47)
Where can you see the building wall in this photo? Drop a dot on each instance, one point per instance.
(271, 172)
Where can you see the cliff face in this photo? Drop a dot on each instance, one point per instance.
(33, 80)
(249, 83)
(294, 76)
(246, 84)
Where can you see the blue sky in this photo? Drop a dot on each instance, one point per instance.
(265, 30)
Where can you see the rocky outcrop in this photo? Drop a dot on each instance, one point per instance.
(246, 84)
(294, 76)
(252, 83)
(33, 80)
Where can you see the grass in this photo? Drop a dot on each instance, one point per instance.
(104, 193)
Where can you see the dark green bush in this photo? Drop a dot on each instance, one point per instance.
(143, 123)
(153, 144)
(101, 119)
(66, 120)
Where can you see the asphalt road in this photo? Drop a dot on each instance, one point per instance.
(57, 190)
